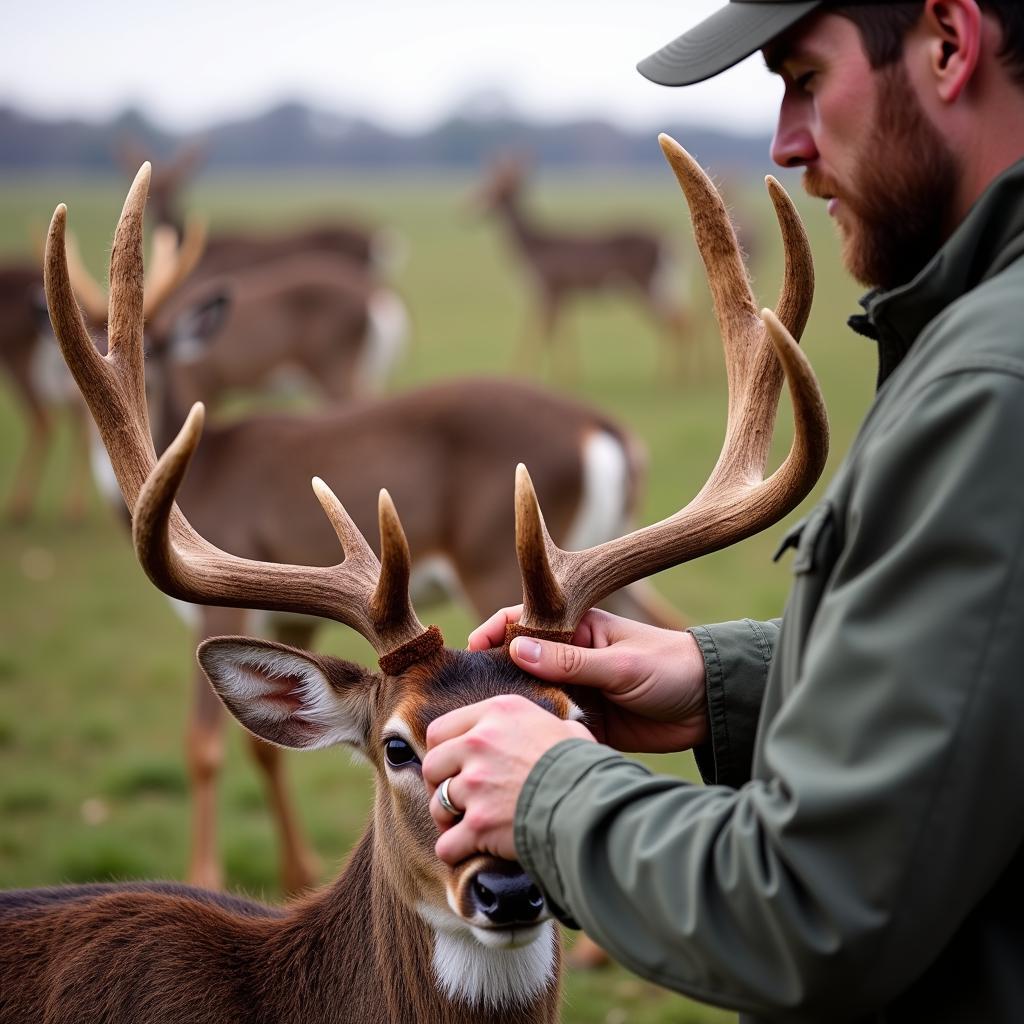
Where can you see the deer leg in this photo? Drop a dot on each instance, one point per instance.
(566, 353)
(299, 865)
(30, 465)
(205, 756)
(76, 498)
(587, 955)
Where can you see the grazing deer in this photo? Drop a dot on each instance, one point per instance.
(370, 248)
(374, 249)
(315, 314)
(39, 376)
(449, 450)
(562, 264)
(40, 382)
(167, 181)
(400, 936)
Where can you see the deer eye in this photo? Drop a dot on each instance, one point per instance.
(399, 753)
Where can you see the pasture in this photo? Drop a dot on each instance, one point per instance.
(93, 663)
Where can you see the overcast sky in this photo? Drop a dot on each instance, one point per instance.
(405, 63)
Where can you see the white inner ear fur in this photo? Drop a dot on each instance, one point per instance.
(246, 675)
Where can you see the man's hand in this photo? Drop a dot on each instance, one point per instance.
(487, 750)
(648, 682)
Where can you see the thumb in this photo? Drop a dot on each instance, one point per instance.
(562, 663)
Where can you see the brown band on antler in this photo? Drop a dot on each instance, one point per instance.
(418, 649)
(514, 629)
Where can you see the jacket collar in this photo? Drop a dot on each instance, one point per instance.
(988, 240)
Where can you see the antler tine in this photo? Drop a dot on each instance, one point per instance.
(390, 606)
(797, 292)
(172, 261)
(125, 318)
(112, 385)
(90, 293)
(185, 565)
(534, 549)
(736, 501)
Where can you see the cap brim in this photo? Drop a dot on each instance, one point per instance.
(724, 39)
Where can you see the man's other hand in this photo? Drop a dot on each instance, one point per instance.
(648, 683)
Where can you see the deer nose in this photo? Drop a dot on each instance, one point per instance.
(507, 899)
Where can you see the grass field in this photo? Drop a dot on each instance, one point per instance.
(94, 665)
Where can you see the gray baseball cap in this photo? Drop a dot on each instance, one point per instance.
(724, 39)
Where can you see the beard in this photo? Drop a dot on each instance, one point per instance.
(899, 202)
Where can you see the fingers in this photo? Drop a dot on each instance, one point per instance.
(492, 632)
(566, 663)
(447, 727)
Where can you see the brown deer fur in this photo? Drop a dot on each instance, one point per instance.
(315, 313)
(23, 337)
(356, 951)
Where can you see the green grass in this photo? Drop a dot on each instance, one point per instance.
(94, 667)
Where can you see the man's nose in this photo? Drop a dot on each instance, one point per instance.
(793, 144)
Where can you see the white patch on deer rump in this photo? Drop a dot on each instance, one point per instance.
(605, 495)
(386, 335)
(103, 472)
(500, 973)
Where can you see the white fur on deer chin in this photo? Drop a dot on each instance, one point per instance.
(490, 968)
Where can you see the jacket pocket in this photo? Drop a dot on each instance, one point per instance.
(818, 543)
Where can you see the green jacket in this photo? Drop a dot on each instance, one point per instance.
(858, 852)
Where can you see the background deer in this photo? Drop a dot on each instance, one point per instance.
(400, 936)
(315, 315)
(167, 180)
(39, 376)
(374, 249)
(561, 265)
(40, 381)
(371, 248)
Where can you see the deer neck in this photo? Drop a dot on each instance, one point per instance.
(357, 952)
(517, 224)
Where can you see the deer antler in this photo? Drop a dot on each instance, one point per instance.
(169, 264)
(361, 592)
(559, 586)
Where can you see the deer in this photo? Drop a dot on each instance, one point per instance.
(455, 441)
(313, 314)
(376, 250)
(167, 182)
(39, 376)
(370, 248)
(561, 265)
(40, 382)
(399, 936)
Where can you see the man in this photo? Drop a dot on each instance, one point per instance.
(857, 852)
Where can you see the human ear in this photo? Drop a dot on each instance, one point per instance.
(953, 32)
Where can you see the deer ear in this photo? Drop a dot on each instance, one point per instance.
(287, 696)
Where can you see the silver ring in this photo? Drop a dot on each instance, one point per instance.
(446, 801)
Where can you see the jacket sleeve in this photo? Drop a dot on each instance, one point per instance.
(737, 657)
(886, 801)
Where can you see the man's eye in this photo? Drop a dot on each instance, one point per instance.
(803, 82)
(399, 753)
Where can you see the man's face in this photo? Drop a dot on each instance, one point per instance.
(868, 148)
